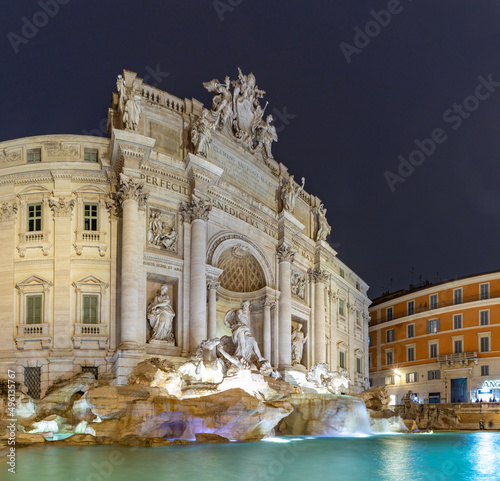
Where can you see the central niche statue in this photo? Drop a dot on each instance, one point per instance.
(247, 351)
(161, 316)
(298, 341)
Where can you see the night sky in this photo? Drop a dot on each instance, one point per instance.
(345, 113)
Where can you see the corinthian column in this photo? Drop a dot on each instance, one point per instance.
(212, 286)
(267, 327)
(286, 256)
(130, 195)
(320, 277)
(197, 211)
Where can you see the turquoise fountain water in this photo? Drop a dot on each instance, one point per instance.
(405, 457)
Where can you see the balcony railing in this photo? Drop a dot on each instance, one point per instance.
(88, 333)
(457, 356)
(441, 303)
(33, 333)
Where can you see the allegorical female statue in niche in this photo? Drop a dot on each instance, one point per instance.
(161, 316)
(298, 341)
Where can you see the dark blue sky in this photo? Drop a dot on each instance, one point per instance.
(352, 119)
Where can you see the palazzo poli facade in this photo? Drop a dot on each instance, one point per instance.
(146, 243)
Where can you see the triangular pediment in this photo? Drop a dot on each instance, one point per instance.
(90, 280)
(33, 281)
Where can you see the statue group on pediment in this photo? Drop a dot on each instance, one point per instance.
(239, 113)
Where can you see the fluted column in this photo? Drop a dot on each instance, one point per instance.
(267, 328)
(212, 286)
(130, 195)
(198, 211)
(285, 256)
(319, 277)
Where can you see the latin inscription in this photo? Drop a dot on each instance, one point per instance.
(244, 176)
(244, 217)
(165, 184)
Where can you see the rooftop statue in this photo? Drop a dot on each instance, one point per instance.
(201, 134)
(290, 192)
(129, 101)
(324, 227)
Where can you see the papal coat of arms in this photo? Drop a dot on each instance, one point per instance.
(239, 114)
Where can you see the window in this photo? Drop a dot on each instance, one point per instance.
(369, 360)
(411, 377)
(342, 274)
(485, 370)
(32, 380)
(433, 301)
(90, 155)
(90, 217)
(358, 286)
(484, 318)
(435, 374)
(410, 330)
(342, 359)
(371, 382)
(389, 335)
(358, 365)
(484, 291)
(341, 307)
(457, 321)
(411, 308)
(457, 346)
(90, 309)
(432, 326)
(484, 344)
(410, 354)
(389, 314)
(33, 155)
(389, 357)
(369, 341)
(390, 379)
(433, 350)
(34, 309)
(457, 296)
(358, 318)
(34, 217)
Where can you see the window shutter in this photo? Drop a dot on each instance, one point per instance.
(428, 327)
(437, 325)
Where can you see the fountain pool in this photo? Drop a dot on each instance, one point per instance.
(403, 457)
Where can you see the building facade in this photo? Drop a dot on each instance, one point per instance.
(140, 245)
(442, 342)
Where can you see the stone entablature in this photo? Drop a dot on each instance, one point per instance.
(110, 225)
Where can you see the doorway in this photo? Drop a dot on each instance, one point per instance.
(459, 390)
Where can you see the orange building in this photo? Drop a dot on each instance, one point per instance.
(441, 341)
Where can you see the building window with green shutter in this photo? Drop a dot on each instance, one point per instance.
(342, 359)
(90, 155)
(90, 309)
(34, 309)
(90, 217)
(34, 217)
(358, 365)
(341, 307)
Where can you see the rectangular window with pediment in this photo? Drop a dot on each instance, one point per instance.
(90, 309)
(90, 217)
(342, 359)
(341, 307)
(34, 309)
(34, 217)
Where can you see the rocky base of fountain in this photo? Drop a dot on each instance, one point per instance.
(160, 404)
